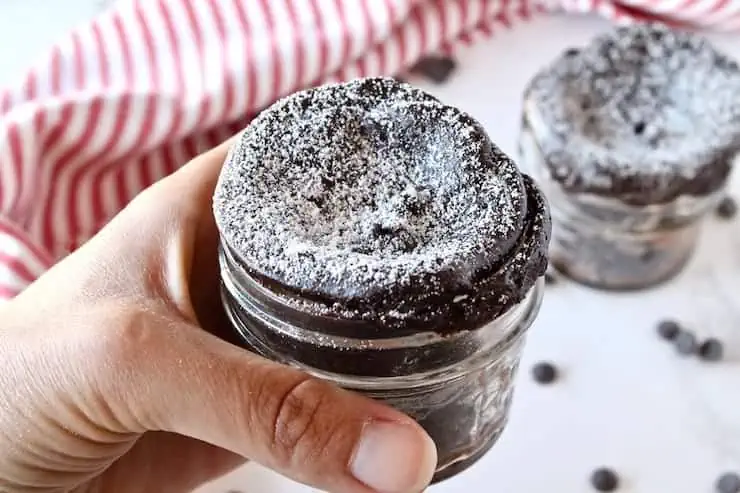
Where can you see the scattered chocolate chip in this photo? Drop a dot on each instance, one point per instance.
(544, 373)
(550, 278)
(604, 479)
(571, 52)
(727, 208)
(639, 128)
(668, 329)
(711, 350)
(728, 483)
(436, 68)
(685, 343)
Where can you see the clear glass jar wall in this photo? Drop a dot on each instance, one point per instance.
(458, 387)
(607, 244)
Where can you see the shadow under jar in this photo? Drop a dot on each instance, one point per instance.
(632, 140)
(375, 238)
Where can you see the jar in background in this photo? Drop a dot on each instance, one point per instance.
(632, 139)
(607, 244)
(458, 387)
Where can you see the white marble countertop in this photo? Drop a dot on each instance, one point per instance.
(626, 399)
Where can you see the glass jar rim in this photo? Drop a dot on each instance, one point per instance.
(687, 207)
(684, 208)
(500, 333)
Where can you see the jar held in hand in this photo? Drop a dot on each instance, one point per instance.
(375, 237)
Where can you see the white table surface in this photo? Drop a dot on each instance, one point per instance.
(665, 423)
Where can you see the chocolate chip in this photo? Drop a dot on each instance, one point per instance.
(728, 483)
(317, 201)
(571, 52)
(639, 128)
(383, 230)
(544, 373)
(711, 350)
(604, 479)
(668, 329)
(550, 278)
(649, 255)
(727, 208)
(685, 343)
(436, 68)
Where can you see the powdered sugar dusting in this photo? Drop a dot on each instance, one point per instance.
(370, 190)
(643, 113)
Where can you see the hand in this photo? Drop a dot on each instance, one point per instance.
(112, 377)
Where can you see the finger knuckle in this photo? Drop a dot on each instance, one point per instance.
(103, 354)
(131, 333)
(302, 426)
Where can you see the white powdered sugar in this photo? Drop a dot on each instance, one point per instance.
(644, 114)
(368, 189)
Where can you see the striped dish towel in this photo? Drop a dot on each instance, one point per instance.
(124, 100)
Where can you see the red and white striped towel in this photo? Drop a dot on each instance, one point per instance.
(124, 100)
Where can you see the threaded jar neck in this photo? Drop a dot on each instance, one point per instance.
(597, 211)
(331, 346)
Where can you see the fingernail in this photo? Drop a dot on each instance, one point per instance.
(394, 458)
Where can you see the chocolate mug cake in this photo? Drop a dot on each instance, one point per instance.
(632, 138)
(374, 237)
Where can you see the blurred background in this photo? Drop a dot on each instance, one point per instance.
(29, 27)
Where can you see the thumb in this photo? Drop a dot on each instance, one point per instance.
(184, 380)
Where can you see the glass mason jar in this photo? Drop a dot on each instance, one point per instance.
(608, 244)
(458, 387)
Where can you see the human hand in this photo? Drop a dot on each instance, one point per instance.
(112, 378)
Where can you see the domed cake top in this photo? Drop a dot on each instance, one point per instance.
(644, 114)
(373, 198)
